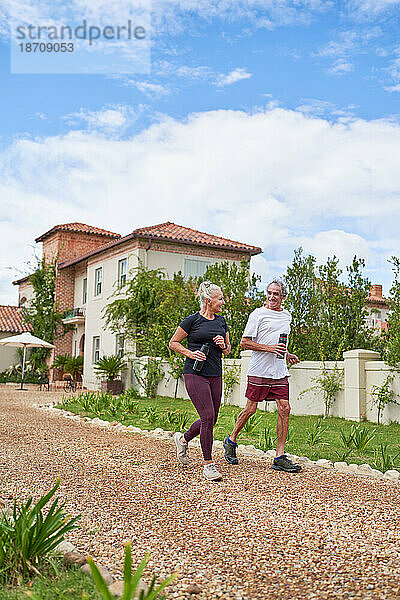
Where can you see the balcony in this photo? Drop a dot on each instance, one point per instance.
(74, 316)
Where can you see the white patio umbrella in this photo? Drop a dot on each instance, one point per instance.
(25, 340)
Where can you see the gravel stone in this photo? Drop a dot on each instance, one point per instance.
(64, 547)
(392, 474)
(103, 571)
(365, 468)
(193, 588)
(74, 558)
(335, 534)
(325, 463)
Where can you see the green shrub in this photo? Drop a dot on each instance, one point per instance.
(267, 440)
(252, 423)
(27, 536)
(150, 414)
(131, 580)
(182, 420)
(383, 460)
(110, 367)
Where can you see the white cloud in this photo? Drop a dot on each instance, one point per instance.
(232, 77)
(340, 67)
(153, 90)
(110, 119)
(275, 178)
(344, 245)
(368, 8)
(393, 88)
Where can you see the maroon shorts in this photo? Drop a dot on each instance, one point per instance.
(263, 388)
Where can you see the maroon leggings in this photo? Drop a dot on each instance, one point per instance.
(205, 393)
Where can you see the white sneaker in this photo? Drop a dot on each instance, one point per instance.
(211, 473)
(181, 448)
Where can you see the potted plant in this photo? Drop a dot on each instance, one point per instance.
(111, 367)
(59, 365)
(74, 367)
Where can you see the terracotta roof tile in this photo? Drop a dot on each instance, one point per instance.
(377, 300)
(173, 233)
(11, 320)
(78, 228)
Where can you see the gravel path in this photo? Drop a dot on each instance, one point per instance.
(256, 535)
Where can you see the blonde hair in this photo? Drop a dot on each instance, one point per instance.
(207, 291)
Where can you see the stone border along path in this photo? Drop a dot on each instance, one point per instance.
(257, 535)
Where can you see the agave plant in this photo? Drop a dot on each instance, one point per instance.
(150, 414)
(252, 423)
(74, 366)
(383, 460)
(27, 536)
(266, 440)
(131, 580)
(182, 420)
(362, 437)
(110, 367)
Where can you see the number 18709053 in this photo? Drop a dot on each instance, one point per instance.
(46, 47)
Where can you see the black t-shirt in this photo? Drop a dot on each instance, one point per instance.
(202, 331)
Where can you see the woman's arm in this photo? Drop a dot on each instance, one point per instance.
(224, 344)
(176, 346)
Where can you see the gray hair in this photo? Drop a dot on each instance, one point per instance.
(281, 285)
(207, 291)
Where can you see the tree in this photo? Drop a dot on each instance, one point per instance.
(329, 316)
(301, 302)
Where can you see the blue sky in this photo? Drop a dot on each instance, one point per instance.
(272, 122)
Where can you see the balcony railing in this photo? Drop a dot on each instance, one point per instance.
(74, 316)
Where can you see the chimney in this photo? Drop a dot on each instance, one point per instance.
(376, 291)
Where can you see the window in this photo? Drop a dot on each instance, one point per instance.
(98, 280)
(195, 268)
(122, 264)
(119, 345)
(96, 349)
(75, 348)
(84, 291)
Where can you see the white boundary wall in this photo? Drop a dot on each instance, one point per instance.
(361, 370)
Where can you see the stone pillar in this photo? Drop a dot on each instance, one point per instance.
(355, 382)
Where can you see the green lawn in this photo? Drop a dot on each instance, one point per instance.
(163, 411)
(70, 584)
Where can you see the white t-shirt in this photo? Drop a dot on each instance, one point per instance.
(264, 327)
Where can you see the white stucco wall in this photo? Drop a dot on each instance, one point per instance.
(375, 374)
(8, 354)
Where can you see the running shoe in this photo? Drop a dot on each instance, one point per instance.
(181, 448)
(230, 452)
(283, 463)
(211, 473)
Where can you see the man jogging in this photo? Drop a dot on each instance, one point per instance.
(267, 377)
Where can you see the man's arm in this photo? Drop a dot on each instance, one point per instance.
(248, 344)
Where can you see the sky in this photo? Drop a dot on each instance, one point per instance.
(271, 122)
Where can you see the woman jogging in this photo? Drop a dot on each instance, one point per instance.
(204, 386)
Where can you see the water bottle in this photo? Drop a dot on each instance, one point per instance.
(198, 364)
(282, 340)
